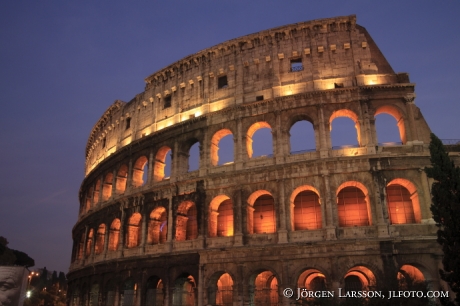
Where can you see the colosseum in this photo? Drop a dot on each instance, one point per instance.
(153, 231)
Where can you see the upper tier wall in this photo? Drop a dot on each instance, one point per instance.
(317, 55)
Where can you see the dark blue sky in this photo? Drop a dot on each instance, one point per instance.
(62, 63)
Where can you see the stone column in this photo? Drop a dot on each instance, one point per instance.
(129, 182)
(143, 232)
(150, 169)
(121, 234)
(425, 200)
(239, 138)
(330, 209)
(238, 220)
(169, 236)
(409, 99)
(324, 135)
(114, 184)
(200, 284)
(282, 232)
(106, 239)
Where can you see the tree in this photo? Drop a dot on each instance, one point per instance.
(446, 213)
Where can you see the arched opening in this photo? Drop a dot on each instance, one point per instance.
(221, 217)
(75, 297)
(107, 187)
(259, 140)
(302, 137)
(133, 233)
(224, 294)
(89, 242)
(353, 205)
(222, 147)
(359, 278)
(307, 209)
(110, 292)
(94, 295)
(81, 247)
(345, 129)
(162, 167)
(114, 235)
(312, 279)
(194, 157)
(100, 239)
(186, 222)
(184, 291)
(140, 171)
(89, 197)
(389, 125)
(154, 294)
(97, 188)
(261, 213)
(158, 226)
(122, 176)
(411, 278)
(128, 296)
(403, 202)
(265, 290)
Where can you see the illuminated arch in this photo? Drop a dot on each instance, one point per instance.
(89, 197)
(129, 292)
(133, 233)
(89, 242)
(184, 291)
(353, 205)
(186, 221)
(349, 114)
(97, 188)
(403, 202)
(215, 145)
(158, 226)
(221, 217)
(100, 239)
(261, 213)
(252, 129)
(312, 279)
(122, 177)
(140, 166)
(81, 247)
(224, 294)
(305, 208)
(154, 293)
(359, 278)
(306, 134)
(410, 277)
(265, 289)
(160, 163)
(114, 234)
(396, 113)
(107, 187)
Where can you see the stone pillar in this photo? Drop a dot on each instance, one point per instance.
(121, 234)
(240, 154)
(238, 220)
(129, 183)
(425, 200)
(143, 231)
(106, 239)
(285, 283)
(101, 185)
(169, 236)
(324, 135)
(200, 285)
(278, 143)
(410, 116)
(114, 184)
(204, 160)
(282, 232)
(84, 243)
(150, 169)
(330, 208)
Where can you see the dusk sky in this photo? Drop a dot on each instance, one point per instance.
(63, 63)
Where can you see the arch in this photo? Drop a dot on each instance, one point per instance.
(216, 138)
(89, 242)
(221, 217)
(160, 163)
(186, 221)
(403, 202)
(184, 291)
(397, 115)
(81, 247)
(100, 239)
(107, 187)
(347, 114)
(353, 205)
(194, 157)
(261, 213)
(128, 295)
(410, 278)
(122, 176)
(312, 279)
(110, 289)
(158, 226)
(140, 170)
(114, 235)
(133, 233)
(97, 188)
(224, 293)
(154, 293)
(89, 198)
(251, 131)
(359, 278)
(302, 136)
(306, 208)
(265, 291)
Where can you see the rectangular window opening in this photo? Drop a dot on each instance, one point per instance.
(128, 123)
(167, 101)
(296, 64)
(222, 82)
(259, 98)
(103, 142)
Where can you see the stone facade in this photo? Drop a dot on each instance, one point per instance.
(241, 232)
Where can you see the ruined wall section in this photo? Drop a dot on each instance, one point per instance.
(329, 53)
